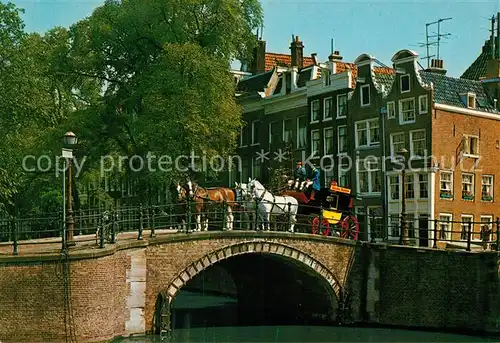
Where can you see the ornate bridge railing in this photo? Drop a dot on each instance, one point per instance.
(98, 227)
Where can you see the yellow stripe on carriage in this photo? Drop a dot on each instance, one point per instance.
(332, 216)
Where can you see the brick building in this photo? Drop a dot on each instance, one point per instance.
(363, 113)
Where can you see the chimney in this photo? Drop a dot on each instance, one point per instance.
(315, 58)
(297, 49)
(437, 67)
(258, 64)
(332, 61)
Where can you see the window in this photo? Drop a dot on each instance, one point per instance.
(422, 186)
(394, 187)
(255, 169)
(486, 228)
(405, 83)
(368, 176)
(395, 223)
(470, 146)
(464, 225)
(328, 141)
(301, 132)
(487, 188)
(365, 95)
(423, 105)
(468, 186)
(287, 130)
(315, 111)
(446, 185)
(344, 167)
(367, 133)
(417, 144)
(397, 143)
(315, 141)
(409, 186)
(376, 222)
(407, 111)
(445, 226)
(326, 76)
(342, 139)
(243, 137)
(471, 100)
(341, 105)
(391, 110)
(329, 175)
(255, 130)
(328, 108)
(275, 132)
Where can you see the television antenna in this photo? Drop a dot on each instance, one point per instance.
(437, 37)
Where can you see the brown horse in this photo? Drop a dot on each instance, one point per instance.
(206, 197)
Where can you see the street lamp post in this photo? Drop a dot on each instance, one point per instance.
(403, 235)
(70, 140)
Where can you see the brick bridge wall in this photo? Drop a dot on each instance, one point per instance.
(114, 290)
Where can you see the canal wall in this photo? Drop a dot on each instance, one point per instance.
(446, 290)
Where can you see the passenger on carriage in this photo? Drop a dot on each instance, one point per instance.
(300, 175)
(315, 180)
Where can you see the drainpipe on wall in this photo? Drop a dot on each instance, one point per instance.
(384, 176)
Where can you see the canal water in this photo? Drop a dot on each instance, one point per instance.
(211, 318)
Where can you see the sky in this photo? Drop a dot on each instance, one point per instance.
(377, 27)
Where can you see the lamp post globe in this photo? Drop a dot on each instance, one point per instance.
(70, 139)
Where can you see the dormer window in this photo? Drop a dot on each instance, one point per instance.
(365, 95)
(404, 81)
(471, 100)
(468, 99)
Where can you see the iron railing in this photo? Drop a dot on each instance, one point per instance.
(98, 227)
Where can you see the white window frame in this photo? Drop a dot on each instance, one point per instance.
(467, 140)
(324, 141)
(391, 184)
(490, 221)
(291, 131)
(377, 218)
(391, 114)
(343, 167)
(397, 227)
(338, 107)
(319, 143)
(470, 96)
(410, 177)
(464, 228)
(448, 230)
(412, 153)
(254, 137)
(425, 101)
(361, 95)
(401, 83)
(472, 183)
(253, 166)
(325, 118)
(420, 185)
(312, 111)
(369, 171)
(401, 116)
(369, 143)
(447, 172)
(345, 138)
(329, 174)
(298, 132)
(394, 153)
(491, 185)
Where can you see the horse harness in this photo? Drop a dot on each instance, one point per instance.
(273, 203)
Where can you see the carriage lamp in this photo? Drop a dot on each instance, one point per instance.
(403, 236)
(69, 140)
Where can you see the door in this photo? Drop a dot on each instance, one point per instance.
(423, 230)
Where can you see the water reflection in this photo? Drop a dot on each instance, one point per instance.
(304, 334)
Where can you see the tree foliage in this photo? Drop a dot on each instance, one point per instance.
(134, 77)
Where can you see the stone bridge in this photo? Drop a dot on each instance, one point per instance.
(130, 287)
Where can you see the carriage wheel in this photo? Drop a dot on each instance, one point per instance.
(350, 228)
(325, 226)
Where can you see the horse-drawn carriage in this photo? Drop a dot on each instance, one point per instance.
(328, 213)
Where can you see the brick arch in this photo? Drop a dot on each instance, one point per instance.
(252, 247)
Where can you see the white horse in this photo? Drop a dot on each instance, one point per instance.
(268, 203)
(243, 193)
